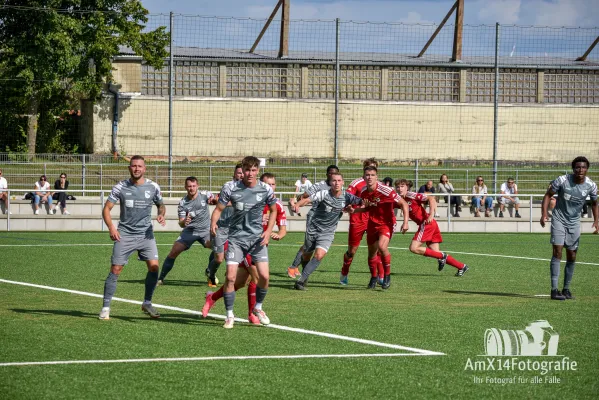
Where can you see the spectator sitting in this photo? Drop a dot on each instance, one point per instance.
(42, 194)
(61, 184)
(480, 191)
(445, 186)
(4, 192)
(301, 185)
(428, 188)
(388, 182)
(509, 190)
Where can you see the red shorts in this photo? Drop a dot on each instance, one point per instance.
(356, 232)
(247, 262)
(375, 231)
(428, 233)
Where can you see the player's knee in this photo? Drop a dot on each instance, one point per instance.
(116, 269)
(219, 258)
(153, 267)
(414, 248)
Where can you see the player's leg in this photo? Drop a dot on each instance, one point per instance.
(148, 252)
(169, 262)
(315, 261)
(354, 237)
(293, 270)
(558, 239)
(252, 285)
(121, 250)
(385, 255)
(261, 290)
(219, 246)
(372, 240)
(571, 244)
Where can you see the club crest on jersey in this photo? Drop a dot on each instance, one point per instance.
(584, 193)
(258, 197)
(203, 203)
(148, 194)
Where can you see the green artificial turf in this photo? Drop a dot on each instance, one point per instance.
(424, 309)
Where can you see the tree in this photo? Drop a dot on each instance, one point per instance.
(55, 52)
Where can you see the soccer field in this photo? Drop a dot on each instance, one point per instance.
(422, 338)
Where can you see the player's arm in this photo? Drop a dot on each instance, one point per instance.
(595, 208)
(161, 214)
(271, 224)
(545, 205)
(218, 210)
(112, 231)
(432, 203)
(406, 213)
(304, 201)
(212, 199)
(281, 224)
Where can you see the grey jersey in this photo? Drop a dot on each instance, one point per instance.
(136, 205)
(328, 210)
(248, 204)
(570, 198)
(197, 210)
(322, 185)
(225, 216)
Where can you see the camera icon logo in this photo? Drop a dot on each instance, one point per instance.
(537, 339)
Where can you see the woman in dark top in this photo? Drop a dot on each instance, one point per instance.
(62, 184)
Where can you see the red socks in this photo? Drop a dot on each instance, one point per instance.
(433, 254)
(454, 263)
(386, 262)
(251, 297)
(373, 264)
(218, 294)
(346, 264)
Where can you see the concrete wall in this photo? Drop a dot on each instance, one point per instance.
(387, 130)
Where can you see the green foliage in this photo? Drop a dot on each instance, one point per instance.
(57, 52)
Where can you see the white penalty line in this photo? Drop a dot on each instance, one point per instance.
(273, 326)
(295, 245)
(222, 358)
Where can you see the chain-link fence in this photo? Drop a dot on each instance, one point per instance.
(343, 91)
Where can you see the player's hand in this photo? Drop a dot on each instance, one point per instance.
(114, 234)
(596, 226)
(405, 227)
(429, 219)
(349, 209)
(213, 228)
(295, 208)
(187, 220)
(275, 236)
(161, 220)
(265, 238)
(543, 220)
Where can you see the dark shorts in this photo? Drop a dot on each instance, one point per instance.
(187, 238)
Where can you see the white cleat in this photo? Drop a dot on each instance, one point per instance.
(229, 322)
(264, 320)
(105, 313)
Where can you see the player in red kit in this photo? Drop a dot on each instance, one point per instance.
(428, 231)
(248, 272)
(380, 201)
(358, 224)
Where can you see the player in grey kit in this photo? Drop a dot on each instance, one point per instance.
(572, 191)
(246, 235)
(217, 256)
(136, 196)
(293, 270)
(194, 218)
(328, 206)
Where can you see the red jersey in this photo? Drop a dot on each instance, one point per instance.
(355, 188)
(385, 198)
(281, 215)
(418, 213)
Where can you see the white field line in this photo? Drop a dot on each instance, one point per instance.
(272, 326)
(295, 245)
(146, 360)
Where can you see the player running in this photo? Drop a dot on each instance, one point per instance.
(219, 241)
(249, 271)
(428, 233)
(380, 201)
(328, 206)
(194, 218)
(293, 270)
(358, 224)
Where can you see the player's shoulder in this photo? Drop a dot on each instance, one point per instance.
(385, 190)
(590, 183)
(122, 184)
(357, 182)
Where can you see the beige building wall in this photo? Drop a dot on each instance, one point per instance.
(127, 75)
(305, 129)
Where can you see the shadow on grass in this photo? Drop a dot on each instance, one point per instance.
(168, 282)
(169, 318)
(500, 294)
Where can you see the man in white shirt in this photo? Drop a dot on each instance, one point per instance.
(509, 190)
(43, 195)
(4, 192)
(301, 185)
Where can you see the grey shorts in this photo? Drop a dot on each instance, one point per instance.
(218, 241)
(237, 252)
(187, 238)
(563, 236)
(318, 241)
(144, 245)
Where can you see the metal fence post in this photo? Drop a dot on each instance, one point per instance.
(210, 177)
(8, 211)
(101, 177)
(83, 171)
(170, 108)
(467, 180)
(314, 181)
(102, 200)
(416, 175)
(45, 173)
(336, 91)
(496, 108)
(530, 213)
